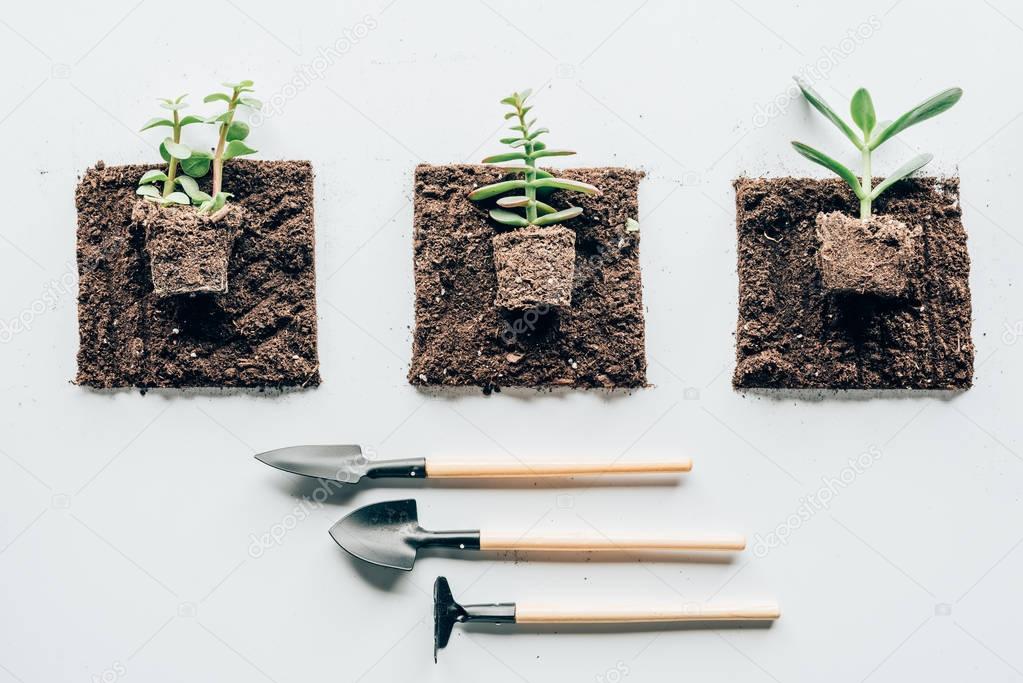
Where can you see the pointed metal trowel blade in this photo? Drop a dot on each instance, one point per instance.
(387, 534)
(344, 463)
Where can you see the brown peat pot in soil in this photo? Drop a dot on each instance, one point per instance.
(260, 332)
(462, 339)
(880, 257)
(535, 266)
(188, 250)
(883, 308)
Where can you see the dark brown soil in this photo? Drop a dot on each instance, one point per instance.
(188, 251)
(260, 333)
(881, 257)
(535, 267)
(462, 339)
(792, 334)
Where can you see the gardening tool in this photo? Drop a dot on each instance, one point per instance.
(447, 612)
(347, 464)
(388, 534)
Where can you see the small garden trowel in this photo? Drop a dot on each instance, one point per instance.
(348, 464)
(388, 534)
(447, 612)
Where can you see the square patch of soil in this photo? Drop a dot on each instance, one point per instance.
(463, 339)
(791, 333)
(260, 333)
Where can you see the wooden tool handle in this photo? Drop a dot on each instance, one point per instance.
(491, 540)
(514, 468)
(539, 613)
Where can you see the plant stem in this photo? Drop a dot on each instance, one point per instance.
(866, 183)
(172, 167)
(218, 155)
(530, 174)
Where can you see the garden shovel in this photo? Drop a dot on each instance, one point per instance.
(348, 464)
(447, 612)
(388, 534)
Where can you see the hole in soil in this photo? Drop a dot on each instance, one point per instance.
(201, 317)
(534, 326)
(860, 316)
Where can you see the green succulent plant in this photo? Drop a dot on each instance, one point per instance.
(526, 150)
(173, 151)
(230, 138)
(872, 135)
(196, 163)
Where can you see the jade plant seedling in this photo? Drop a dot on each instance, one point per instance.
(527, 149)
(196, 163)
(872, 135)
(230, 138)
(173, 151)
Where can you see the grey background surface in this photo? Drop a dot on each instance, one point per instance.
(140, 541)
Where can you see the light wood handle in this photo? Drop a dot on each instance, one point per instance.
(514, 468)
(497, 540)
(539, 613)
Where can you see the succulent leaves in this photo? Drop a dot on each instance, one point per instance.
(526, 150)
(872, 135)
(196, 163)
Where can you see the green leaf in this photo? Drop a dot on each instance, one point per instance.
(507, 156)
(544, 208)
(220, 200)
(222, 117)
(538, 146)
(217, 96)
(538, 132)
(559, 216)
(832, 165)
(173, 106)
(149, 191)
(176, 149)
(631, 225)
(164, 153)
(177, 198)
(198, 164)
(191, 188)
(513, 202)
(820, 105)
(488, 191)
(941, 102)
(908, 168)
(564, 184)
(190, 119)
(519, 143)
(511, 100)
(153, 176)
(251, 102)
(153, 123)
(510, 114)
(508, 141)
(508, 218)
(524, 94)
(862, 110)
(540, 154)
(238, 130)
(239, 84)
(237, 148)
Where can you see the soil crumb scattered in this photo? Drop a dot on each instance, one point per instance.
(792, 333)
(260, 333)
(462, 339)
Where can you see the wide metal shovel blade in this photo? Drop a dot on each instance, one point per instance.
(344, 463)
(386, 533)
